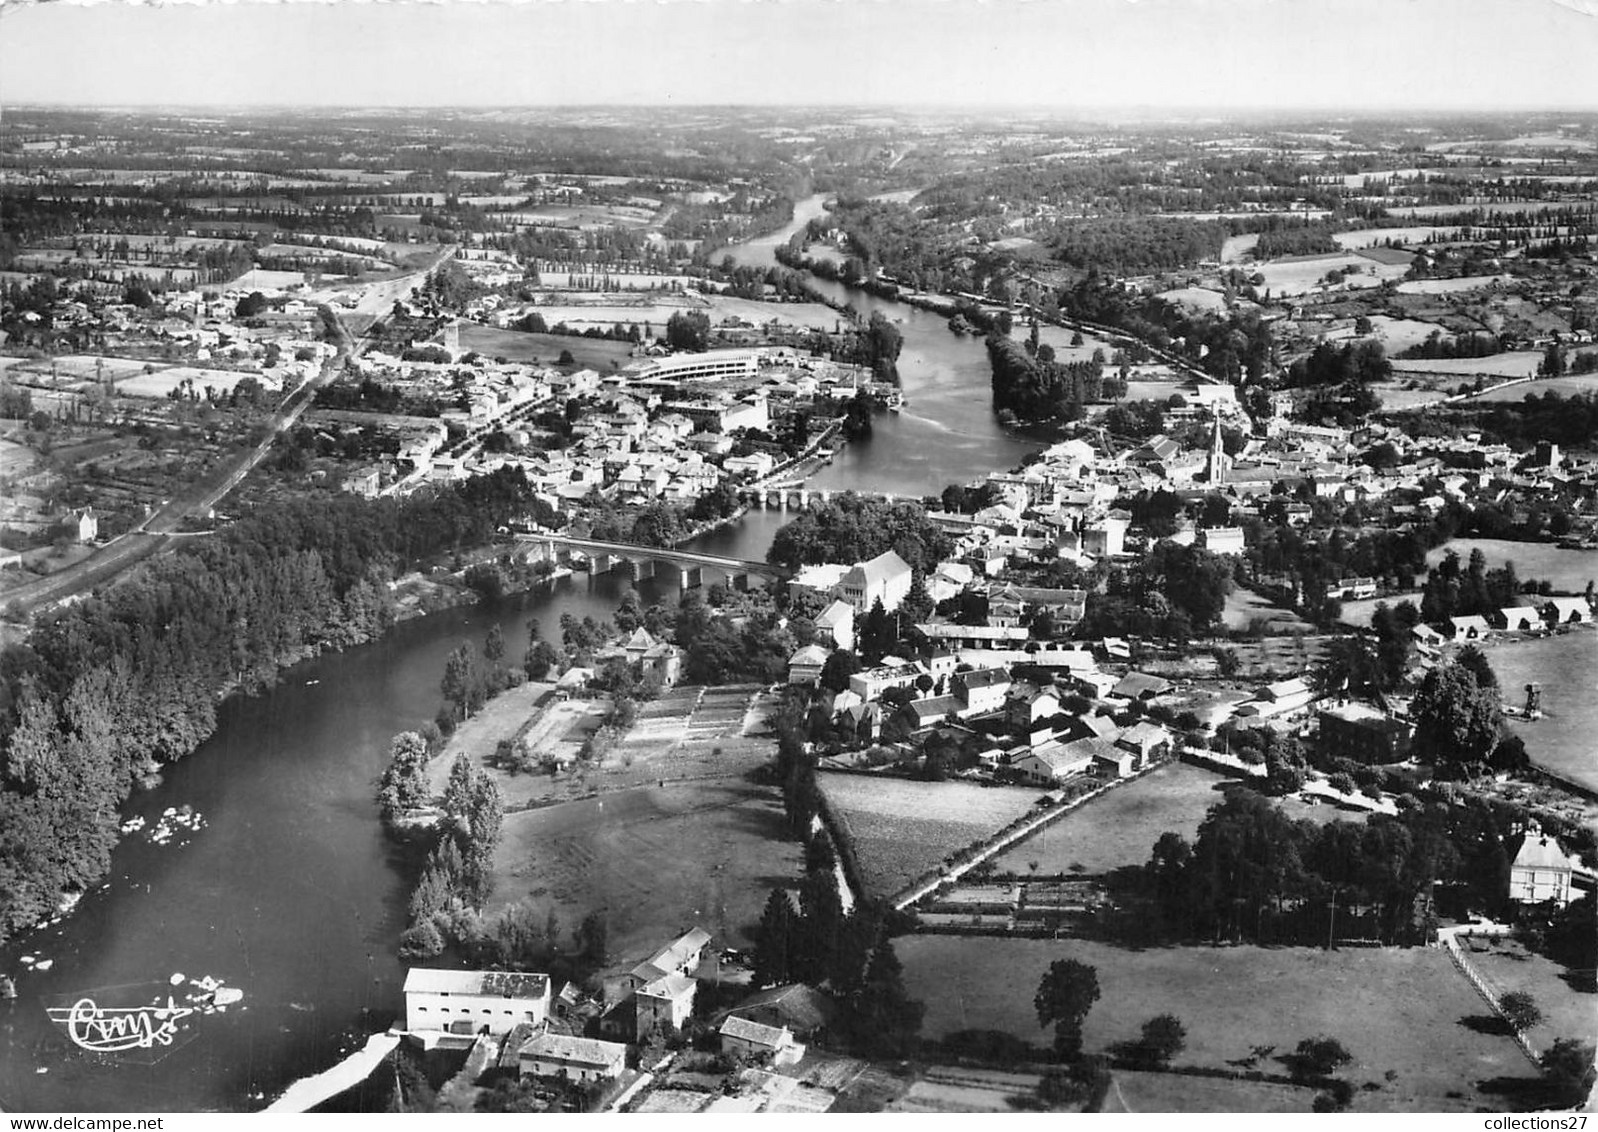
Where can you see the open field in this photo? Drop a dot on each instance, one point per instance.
(1296, 276)
(1368, 237)
(1566, 665)
(1568, 570)
(1120, 827)
(257, 279)
(1516, 363)
(163, 381)
(1398, 334)
(964, 1088)
(1195, 298)
(82, 367)
(1244, 607)
(1359, 613)
(1136, 1091)
(520, 346)
(816, 316)
(1568, 386)
(1398, 1010)
(1450, 286)
(1507, 966)
(1491, 208)
(1236, 247)
(900, 828)
(651, 861)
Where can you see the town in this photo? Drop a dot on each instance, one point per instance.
(849, 623)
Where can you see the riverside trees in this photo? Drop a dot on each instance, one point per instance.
(128, 679)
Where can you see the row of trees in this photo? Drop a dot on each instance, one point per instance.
(1254, 874)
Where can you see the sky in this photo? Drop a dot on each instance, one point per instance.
(1059, 54)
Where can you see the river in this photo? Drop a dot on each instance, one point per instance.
(289, 891)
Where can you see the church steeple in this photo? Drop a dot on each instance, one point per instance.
(1218, 460)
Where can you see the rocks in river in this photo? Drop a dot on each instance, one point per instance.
(177, 978)
(44, 964)
(173, 825)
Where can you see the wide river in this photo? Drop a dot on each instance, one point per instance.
(288, 890)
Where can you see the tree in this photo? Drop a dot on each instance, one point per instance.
(887, 1019)
(494, 645)
(839, 666)
(1568, 1067)
(771, 960)
(1520, 1010)
(1319, 1056)
(403, 785)
(1457, 721)
(1163, 1038)
(1065, 994)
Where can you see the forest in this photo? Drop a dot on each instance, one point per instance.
(105, 691)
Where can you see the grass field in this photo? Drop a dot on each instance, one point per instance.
(1507, 966)
(1120, 827)
(1366, 237)
(163, 381)
(1296, 276)
(900, 828)
(1568, 570)
(519, 346)
(1195, 298)
(1564, 386)
(1165, 1092)
(1566, 665)
(1244, 607)
(1450, 286)
(1406, 1011)
(1516, 363)
(652, 861)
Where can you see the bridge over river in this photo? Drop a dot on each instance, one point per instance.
(641, 561)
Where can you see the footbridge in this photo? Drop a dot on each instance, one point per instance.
(639, 562)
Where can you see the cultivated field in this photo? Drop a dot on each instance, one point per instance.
(1564, 386)
(1516, 363)
(652, 861)
(900, 828)
(1568, 570)
(1407, 1011)
(1121, 826)
(1492, 208)
(1401, 333)
(962, 1088)
(520, 346)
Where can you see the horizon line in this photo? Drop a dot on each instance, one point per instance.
(1275, 110)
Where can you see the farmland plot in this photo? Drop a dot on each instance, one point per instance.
(900, 828)
(651, 860)
(1407, 1011)
(1569, 386)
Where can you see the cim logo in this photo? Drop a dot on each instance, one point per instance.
(117, 1029)
(139, 1022)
